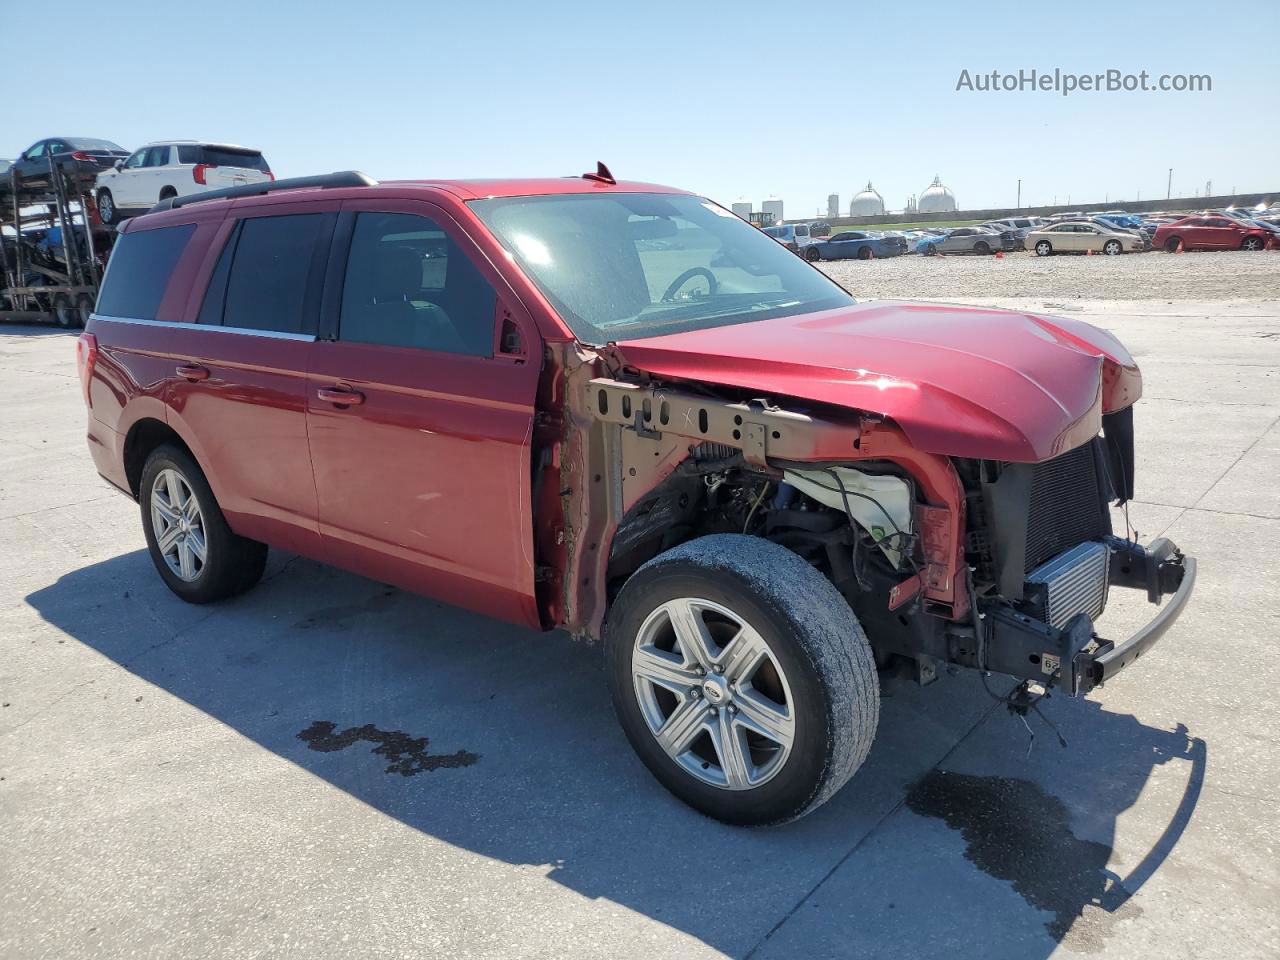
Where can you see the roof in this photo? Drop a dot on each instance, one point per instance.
(532, 187)
(200, 143)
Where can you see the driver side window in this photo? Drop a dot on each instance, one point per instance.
(36, 151)
(409, 285)
(135, 160)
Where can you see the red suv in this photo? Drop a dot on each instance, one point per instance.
(1210, 232)
(618, 409)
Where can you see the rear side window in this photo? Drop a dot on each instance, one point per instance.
(139, 270)
(409, 285)
(267, 274)
(221, 157)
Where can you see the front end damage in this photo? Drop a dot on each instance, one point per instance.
(948, 562)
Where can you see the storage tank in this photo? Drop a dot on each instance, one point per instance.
(868, 203)
(773, 206)
(833, 206)
(937, 199)
(742, 208)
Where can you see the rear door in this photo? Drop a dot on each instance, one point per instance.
(239, 390)
(420, 409)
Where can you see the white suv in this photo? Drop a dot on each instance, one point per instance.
(175, 168)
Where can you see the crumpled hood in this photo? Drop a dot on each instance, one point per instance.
(959, 381)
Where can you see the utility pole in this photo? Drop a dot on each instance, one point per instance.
(1018, 206)
(1168, 193)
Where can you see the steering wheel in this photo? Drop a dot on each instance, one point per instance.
(685, 277)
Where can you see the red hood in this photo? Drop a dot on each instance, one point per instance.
(960, 381)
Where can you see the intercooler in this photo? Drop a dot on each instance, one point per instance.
(1073, 582)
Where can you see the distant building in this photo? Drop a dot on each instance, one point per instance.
(773, 206)
(868, 203)
(833, 205)
(937, 199)
(742, 208)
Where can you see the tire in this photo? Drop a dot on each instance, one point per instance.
(812, 255)
(65, 315)
(982, 247)
(930, 249)
(812, 678)
(107, 207)
(84, 305)
(864, 253)
(167, 193)
(231, 565)
(1112, 248)
(1043, 248)
(1171, 245)
(1252, 244)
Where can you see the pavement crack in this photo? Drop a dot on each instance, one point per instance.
(865, 837)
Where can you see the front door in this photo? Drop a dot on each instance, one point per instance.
(420, 421)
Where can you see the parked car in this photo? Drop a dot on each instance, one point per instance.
(1210, 233)
(963, 240)
(793, 236)
(175, 168)
(1011, 238)
(855, 245)
(86, 154)
(1084, 236)
(489, 393)
(819, 228)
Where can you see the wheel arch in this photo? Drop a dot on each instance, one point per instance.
(142, 439)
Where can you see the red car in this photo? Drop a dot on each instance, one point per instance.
(1210, 233)
(618, 409)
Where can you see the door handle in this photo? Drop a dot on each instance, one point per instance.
(341, 396)
(193, 372)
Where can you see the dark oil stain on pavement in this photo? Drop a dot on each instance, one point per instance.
(1015, 831)
(408, 755)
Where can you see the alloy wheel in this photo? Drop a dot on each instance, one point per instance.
(713, 694)
(178, 525)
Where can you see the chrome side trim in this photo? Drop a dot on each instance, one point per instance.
(243, 331)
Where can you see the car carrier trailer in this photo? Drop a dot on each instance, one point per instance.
(60, 285)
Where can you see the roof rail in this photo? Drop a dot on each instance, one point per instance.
(344, 178)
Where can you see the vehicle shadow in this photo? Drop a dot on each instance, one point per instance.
(501, 741)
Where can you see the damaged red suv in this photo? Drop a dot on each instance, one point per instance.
(618, 409)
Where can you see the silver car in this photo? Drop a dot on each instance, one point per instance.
(963, 240)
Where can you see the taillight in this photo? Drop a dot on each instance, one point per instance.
(270, 175)
(81, 155)
(86, 357)
(197, 172)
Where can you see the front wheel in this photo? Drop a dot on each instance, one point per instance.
(1112, 248)
(194, 550)
(107, 207)
(1043, 248)
(742, 678)
(982, 247)
(1252, 243)
(812, 255)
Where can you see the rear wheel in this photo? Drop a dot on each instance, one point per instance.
(1112, 247)
(1252, 243)
(191, 545)
(742, 678)
(1043, 248)
(864, 253)
(167, 193)
(64, 313)
(812, 255)
(930, 249)
(982, 247)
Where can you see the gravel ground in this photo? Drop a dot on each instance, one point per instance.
(1212, 277)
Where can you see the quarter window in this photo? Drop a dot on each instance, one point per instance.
(265, 277)
(139, 270)
(409, 285)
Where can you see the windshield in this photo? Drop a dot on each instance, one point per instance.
(624, 266)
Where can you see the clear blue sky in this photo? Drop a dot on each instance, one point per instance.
(729, 99)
